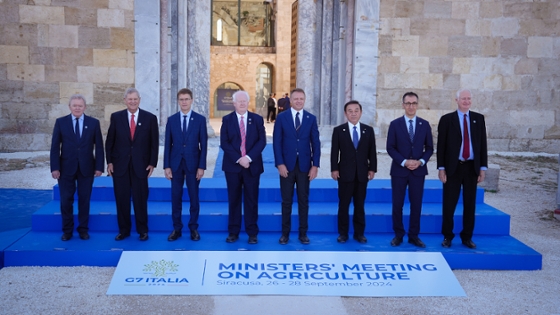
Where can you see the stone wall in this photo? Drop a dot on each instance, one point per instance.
(51, 49)
(506, 52)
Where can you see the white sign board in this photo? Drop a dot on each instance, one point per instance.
(283, 273)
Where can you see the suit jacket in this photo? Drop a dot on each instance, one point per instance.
(290, 145)
(450, 140)
(193, 149)
(400, 148)
(349, 161)
(67, 152)
(230, 142)
(121, 150)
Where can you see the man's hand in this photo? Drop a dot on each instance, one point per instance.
(282, 170)
(335, 175)
(481, 176)
(110, 169)
(313, 173)
(150, 169)
(55, 174)
(199, 173)
(97, 173)
(412, 164)
(442, 176)
(168, 173)
(244, 161)
(370, 175)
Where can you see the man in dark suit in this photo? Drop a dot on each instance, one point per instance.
(283, 103)
(75, 139)
(297, 151)
(410, 145)
(132, 153)
(462, 160)
(243, 138)
(184, 160)
(353, 164)
(271, 108)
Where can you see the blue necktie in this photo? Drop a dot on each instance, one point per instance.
(298, 122)
(410, 130)
(184, 126)
(355, 138)
(77, 129)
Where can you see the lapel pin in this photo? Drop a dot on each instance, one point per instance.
(474, 121)
(363, 131)
(85, 127)
(139, 124)
(343, 129)
(420, 123)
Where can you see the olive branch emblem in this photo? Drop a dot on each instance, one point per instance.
(161, 267)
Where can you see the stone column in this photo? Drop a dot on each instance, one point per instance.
(366, 56)
(307, 54)
(198, 53)
(147, 57)
(164, 62)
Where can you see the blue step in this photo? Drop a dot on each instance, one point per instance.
(322, 217)
(38, 248)
(215, 189)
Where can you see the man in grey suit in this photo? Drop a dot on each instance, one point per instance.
(76, 157)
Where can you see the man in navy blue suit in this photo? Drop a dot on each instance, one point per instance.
(353, 164)
(243, 138)
(184, 160)
(132, 153)
(297, 152)
(75, 139)
(410, 145)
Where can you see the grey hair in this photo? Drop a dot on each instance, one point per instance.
(130, 91)
(241, 91)
(77, 97)
(461, 91)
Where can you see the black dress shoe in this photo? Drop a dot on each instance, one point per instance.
(232, 238)
(342, 238)
(66, 236)
(469, 243)
(396, 241)
(143, 237)
(416, 242)
(446, 243)
(195, 236)
(84, 236)
(360, 238)
(303, 239)
(121, 236)
(174, 235)
(284, 239)
(253, 239)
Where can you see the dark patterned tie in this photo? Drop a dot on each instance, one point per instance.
(184, 126)
(77, 129)
(410, 130)
(355, 138)
(298, 122)
(243, 133)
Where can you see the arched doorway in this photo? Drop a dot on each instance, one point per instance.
(263, 87)
(223, 103)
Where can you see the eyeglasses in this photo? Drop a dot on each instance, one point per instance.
(411, 104)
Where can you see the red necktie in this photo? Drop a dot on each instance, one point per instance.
(466, 141)
(132, 126)
(242, 131)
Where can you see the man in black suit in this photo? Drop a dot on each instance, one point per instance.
(132, 153)
(75, 139)
(184, 161)
(353, 164)
(297, 154)
(243, 138)
(410, 145)
(462, 160)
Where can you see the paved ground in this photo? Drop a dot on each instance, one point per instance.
(528, 185)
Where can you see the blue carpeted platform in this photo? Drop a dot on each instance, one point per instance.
(42, 245)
